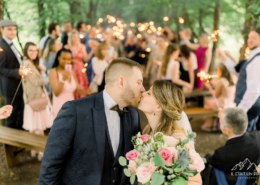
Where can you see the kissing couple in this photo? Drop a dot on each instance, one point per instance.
(90, 134)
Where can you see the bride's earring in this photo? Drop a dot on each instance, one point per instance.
(154, 112)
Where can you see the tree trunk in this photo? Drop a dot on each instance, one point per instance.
(42, 23)
(249, 24)
(201, 29)
(216, 27)
(1, 12)
(75, 10)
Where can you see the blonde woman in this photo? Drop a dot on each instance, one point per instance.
(163, 105)
(155, 60)
(99, 64)
(80, 56)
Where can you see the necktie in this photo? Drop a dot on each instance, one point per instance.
(120, 112)
(11, 44)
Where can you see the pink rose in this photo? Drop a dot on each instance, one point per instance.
(197, 163)
(132, 155)
(166, 155)
(174, 153)
(171, 141)
(132, 166)
(144, 172)
(145, 137)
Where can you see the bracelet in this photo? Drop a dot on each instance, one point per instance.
(62, 81)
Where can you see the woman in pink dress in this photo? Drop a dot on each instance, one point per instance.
(63, 82)
(203, 54)
(79, 53)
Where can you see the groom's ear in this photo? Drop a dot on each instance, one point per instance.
(120, 82)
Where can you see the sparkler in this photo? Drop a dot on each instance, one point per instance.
(207, 78)
(247, 52)
(151, 23)
(86, 65)
(25, 71)
(83, 70)
(132, 24)
(148, 50)
(215, 35)
(81, 36)
(166, 18)
(181, 20)
(1, 49)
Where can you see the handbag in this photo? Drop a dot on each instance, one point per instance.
(38, 104)
(94, 87)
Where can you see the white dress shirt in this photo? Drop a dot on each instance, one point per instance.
(113, 121)
(253, 80)
(15, 51)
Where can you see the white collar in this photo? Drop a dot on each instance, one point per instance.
(109, 102)
(7, 40)
(235, 136)
(254, 52)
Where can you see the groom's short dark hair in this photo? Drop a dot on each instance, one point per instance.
(121, 64)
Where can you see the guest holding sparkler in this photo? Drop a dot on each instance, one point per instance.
(223, 94)
(5, 111)
(37, 111)
(63, 81)
(248, 85)
(10, 75)
(203, 54)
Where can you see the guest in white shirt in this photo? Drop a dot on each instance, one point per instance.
(100, 63)
(248, 85)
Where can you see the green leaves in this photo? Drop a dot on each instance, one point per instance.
(127, 172)
(184, 142)
(132, 179)
(122, 161)
(177, 170)
(179, 181)
(158, 160)
(157, 179)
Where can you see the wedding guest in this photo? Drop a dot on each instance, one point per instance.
(248, 85)
(187, 33)
(10, 75)
(155, 59)
(241, 147)
(170, 35)
(188, 65)
(100, 63)
(36, 121)
(203, 54)
(91, 44)
(49, 54)
(63, 83)
(170, 68)
(130, 47)
(53, 33)
(142, 55)
(79, 56)
(6, 111)
(81, 28)
(224, 93)
(67, 28)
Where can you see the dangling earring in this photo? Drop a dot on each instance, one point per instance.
(154, 112)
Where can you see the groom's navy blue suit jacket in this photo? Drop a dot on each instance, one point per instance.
(75, 150)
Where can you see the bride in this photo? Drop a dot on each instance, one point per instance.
(163, 105)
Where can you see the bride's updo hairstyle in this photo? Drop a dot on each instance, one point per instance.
(172, 101)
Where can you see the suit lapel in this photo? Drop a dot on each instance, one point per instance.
(10, 50)
(99, 119)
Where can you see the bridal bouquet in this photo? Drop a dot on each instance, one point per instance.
(162, 160)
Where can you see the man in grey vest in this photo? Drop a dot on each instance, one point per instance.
(248, 85)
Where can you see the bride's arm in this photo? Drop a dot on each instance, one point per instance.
(196, 180)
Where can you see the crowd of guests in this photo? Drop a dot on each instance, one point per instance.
(75, 67)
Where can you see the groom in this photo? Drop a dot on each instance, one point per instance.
(90, 134)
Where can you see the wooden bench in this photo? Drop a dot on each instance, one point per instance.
(199, 94)
(16, 141)
(199, 112)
